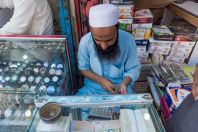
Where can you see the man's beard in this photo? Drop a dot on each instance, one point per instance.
(111, 53)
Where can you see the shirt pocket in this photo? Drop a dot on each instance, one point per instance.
(116, 72)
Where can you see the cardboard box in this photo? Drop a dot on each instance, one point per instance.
(121, 2)
(179, 54)
(143, 19)
(127, 15)
(141, 33)
(175, 59)
(143, 16)
(162, 33)
(144, 25)
(160, 42)
(145, 60)
(126, 9)
(164, 50)
(183, 44)
(141, 49)
(141, 42)
(183, 50)
(194, 56)
(125, 24)
(143, 55)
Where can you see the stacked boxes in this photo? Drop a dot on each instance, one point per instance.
(172, 85)
(126, 13)
(141, 85)
(142, 24)
(161, 47)
(180, 51)
(142, 46)
(164, 43)
(162, 33)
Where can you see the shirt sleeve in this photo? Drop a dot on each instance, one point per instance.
(6, 4)
(132, 64)
(20, 23)
(83, 55)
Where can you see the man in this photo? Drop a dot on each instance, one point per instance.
(30, 17)
(195, 84)
(186, 117)
(107, 57)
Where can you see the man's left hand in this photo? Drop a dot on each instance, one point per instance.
(123, 88)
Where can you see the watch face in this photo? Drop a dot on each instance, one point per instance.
(45, 64)
(13, 66)
(42, 70)
(28, 113)
(37, 80)
(7, 79)
(25, 87)
(30, 78)
(52, 71)
(53, 65)
(32, 88)
(46, 80)
(8, 113)
(59, 72)
(36, 70)
(50, 90)
(14, 78)
(43, 88)
(59, 66)
(23, 79)
(55, 79)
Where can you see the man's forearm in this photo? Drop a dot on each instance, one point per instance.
(89, 74)
(127, 80)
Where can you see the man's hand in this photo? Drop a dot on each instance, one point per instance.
(123, 88)
(107, 85)
(124, 85)
(195, 84)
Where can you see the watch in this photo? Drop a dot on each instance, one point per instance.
(54, 78)
(60, 66)
(37, 79)
(23, 79)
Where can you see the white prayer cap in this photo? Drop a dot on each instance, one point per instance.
(103, 15)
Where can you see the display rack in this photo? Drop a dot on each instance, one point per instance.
(31, 67)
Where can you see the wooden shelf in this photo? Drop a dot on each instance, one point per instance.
(184, 13)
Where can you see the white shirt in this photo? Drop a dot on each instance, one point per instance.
(31, 17)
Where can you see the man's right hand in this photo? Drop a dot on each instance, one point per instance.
(107, 85)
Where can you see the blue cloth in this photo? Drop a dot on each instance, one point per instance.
(127, 64)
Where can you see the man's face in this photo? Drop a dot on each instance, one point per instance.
(106, 42)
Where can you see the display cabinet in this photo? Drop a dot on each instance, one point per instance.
(31, 67)
(101, 113)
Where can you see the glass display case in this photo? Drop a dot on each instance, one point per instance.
(32, 64)
(31, 67)
(101, 113)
